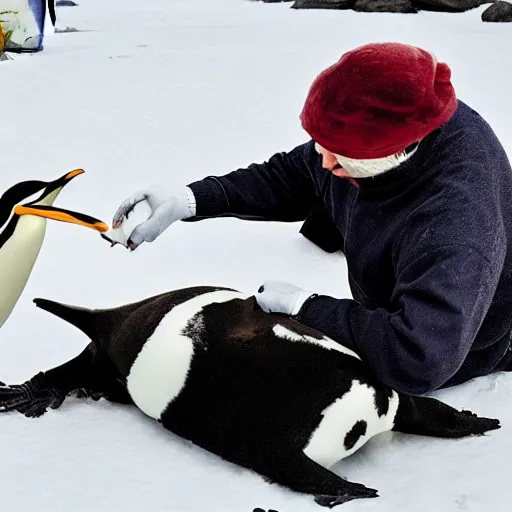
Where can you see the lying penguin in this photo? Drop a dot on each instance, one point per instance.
(23, 235)
(259, 390)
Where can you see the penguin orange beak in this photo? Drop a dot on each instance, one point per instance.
(59, 214)
(72, 174)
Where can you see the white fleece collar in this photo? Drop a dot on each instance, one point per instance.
(368, 168)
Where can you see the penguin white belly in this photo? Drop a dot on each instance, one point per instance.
(160, 370)
(17, 258)
(347, 424)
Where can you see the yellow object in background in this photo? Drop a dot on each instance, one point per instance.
(4, 39)
(22, 24)
(5, 34)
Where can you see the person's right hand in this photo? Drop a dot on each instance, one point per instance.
(165, 209)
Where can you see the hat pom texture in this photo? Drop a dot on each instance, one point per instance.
(378, 99)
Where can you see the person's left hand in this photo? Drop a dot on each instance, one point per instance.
(280, 297)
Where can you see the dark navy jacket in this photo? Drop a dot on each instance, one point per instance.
(428, 248)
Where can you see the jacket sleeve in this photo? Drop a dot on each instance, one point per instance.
(438, 304)
(281, 189)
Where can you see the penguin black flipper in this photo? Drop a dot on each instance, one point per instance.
(100, 373)
(425, 416)
(301, 474)
(32, 398)
(89, 375)
(49, 389)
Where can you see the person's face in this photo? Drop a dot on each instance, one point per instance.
(330, 163)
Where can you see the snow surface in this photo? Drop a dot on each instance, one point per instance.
(168, 91)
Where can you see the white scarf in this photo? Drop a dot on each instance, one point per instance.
(367, 168)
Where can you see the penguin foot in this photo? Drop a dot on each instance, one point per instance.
(83, 393)
(429, 417)
(31, 398)
(470, 424)
(355, 492)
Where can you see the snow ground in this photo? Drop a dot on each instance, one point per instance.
(169, 91)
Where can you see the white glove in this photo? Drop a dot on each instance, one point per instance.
(165, 209)
(280, 297)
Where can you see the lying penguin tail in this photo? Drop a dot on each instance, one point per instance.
(82, 318)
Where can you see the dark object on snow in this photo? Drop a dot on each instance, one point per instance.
(398, 6)
(248, 386)
(65, 30)
(401, 6)
(320, 229)
(323, 4)
(499, 12)
(449, 5)
(65, 3)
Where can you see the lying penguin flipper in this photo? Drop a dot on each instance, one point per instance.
(48, 389)
(33, 401)
(303, 475)
(81, 318)
(97, 324)
(429, 417)
(31, 398)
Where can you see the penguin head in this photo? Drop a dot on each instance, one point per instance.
(17, 202)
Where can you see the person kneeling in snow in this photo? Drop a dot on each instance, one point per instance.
(416, 190)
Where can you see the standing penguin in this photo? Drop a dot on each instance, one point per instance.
(23, 235)
(259, 390)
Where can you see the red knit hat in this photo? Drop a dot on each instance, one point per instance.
(377, 99)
